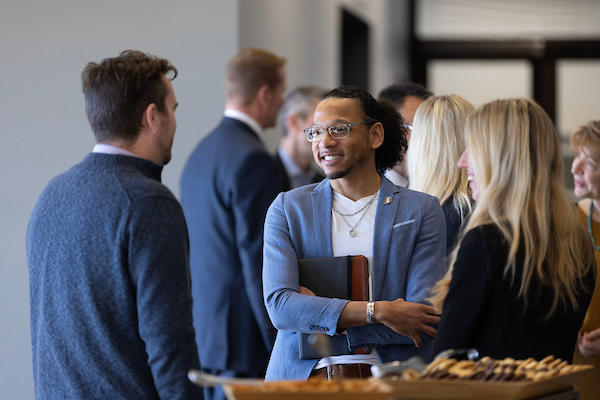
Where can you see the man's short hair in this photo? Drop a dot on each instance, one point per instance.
(248, 71)
(398, 92)
(393, 148)
(300, 101)
(118, 90)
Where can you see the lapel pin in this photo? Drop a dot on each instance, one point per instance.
(387, 200)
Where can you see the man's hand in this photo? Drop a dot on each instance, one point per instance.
(408, 319)
(588, 344)
(306, 291)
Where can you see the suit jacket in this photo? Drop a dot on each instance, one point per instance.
(226, 188)
(409, 247)
(284, 179)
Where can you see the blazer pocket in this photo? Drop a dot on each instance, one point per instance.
(404, 225)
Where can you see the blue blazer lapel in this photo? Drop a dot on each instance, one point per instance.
(321, 204)
(384, 221)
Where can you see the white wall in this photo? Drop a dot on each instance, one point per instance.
(44, 47)
(308, 34)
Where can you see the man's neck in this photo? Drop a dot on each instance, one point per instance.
(356, 187)
(251, 110)
(142, 148)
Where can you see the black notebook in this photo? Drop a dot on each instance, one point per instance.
(335, 277)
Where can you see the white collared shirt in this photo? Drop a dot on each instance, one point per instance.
(110, 149)
(396, 178)
(248, 120)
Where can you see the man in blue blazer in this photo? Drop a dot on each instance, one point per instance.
(354, 140)
(226, 187)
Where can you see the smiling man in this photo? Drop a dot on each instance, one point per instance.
(355, 211)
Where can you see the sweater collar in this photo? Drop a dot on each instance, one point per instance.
(118, 162)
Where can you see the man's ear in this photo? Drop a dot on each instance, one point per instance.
(150, 117)
(292, 121)
(264, 95)
(377, 135)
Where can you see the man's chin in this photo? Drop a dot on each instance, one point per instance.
(337, 174)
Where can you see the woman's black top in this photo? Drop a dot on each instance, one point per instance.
(482, 309)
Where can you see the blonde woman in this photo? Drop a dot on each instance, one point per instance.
(585, 142)
(523, 272)
(436, 144)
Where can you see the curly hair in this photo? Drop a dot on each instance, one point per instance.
(118, 90)
(393, 148)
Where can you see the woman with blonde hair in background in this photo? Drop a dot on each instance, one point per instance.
(436, 144)
(523, 272)
(585, 142)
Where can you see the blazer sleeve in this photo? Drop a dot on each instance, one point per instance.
(253, 194)
(425, 268)
(289, 310)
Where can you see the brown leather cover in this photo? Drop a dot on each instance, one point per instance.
(360, 286)
(360, 278)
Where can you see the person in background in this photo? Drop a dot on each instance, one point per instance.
(406, 97)
(355, 211)
(523, 272)
(108, 251)
(294, 155)
(227, 185)
(585, 142)
(437, 142)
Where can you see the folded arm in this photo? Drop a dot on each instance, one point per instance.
(407, 321)
(288, 308)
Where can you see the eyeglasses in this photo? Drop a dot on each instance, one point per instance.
(408, 126)
(339, 131)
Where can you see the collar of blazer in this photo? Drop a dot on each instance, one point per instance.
(384, 221)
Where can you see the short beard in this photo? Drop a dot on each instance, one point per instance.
(337, 175)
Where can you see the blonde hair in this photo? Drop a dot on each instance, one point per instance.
(588, 136)
(436, 144)
(515, 155)
(248, 71)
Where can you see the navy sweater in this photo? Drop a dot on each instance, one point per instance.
(111, 309)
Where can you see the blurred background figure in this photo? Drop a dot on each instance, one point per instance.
(523, 273)
(437, 142)
(407, 97)
(585, 142)
(227, 186)
(294, 157)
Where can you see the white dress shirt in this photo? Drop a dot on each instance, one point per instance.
(396, 178)
(248, 120)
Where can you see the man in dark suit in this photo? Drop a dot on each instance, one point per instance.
(226, 187)
(294, 158)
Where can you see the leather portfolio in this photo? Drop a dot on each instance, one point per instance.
(335, 277)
